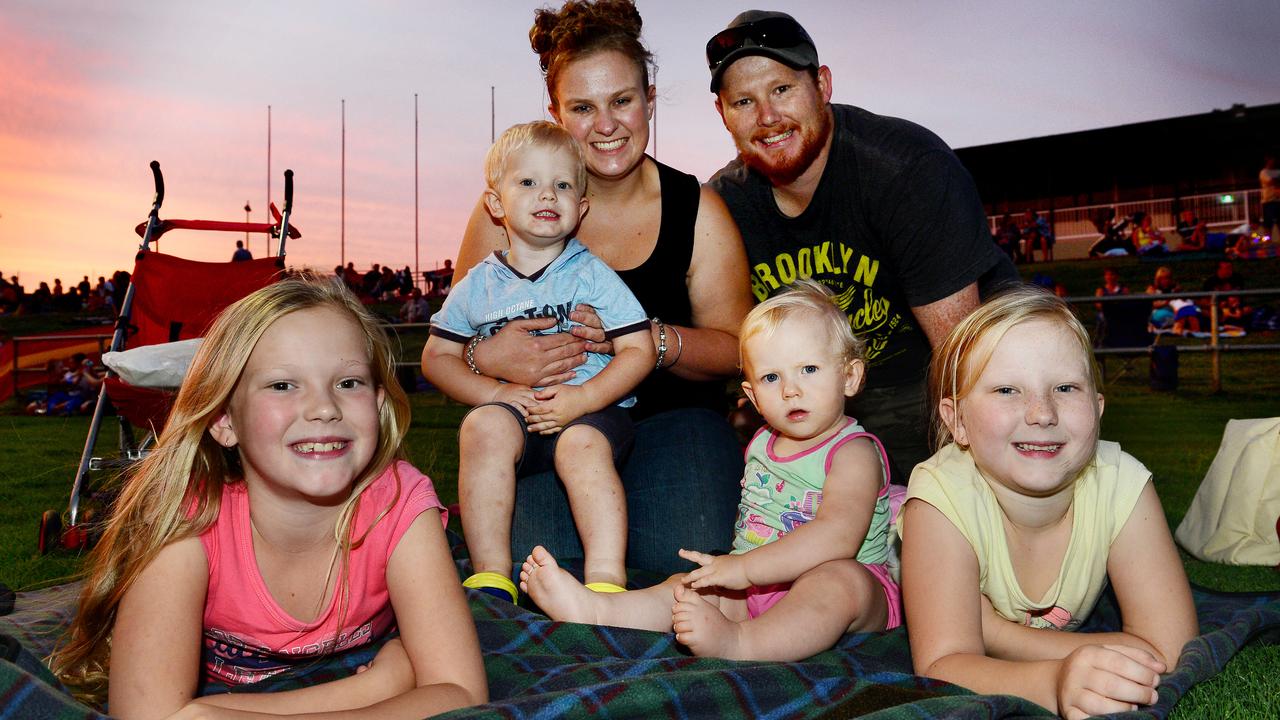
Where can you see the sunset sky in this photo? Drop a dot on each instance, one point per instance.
(90, 92)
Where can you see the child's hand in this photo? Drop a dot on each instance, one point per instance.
(390, 669)
(557, 406)
(518, 396)
(1102, 679)
(726, 571)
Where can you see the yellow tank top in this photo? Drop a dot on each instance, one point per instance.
(1104, 496)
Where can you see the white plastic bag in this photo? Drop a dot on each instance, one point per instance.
(153, 366)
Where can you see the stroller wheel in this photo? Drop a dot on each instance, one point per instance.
(50, 531)
(75, 538)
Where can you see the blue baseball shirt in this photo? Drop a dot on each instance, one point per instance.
(493, 293)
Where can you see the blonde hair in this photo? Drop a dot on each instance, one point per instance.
(960, 360)
(804, 298)
(538, 133)
(175, 492)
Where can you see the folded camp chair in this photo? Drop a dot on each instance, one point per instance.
(169, 299)
(1124, 334)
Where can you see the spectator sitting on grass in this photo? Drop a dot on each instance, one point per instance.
(416, 309)
(1110, 286)
(76, 393)
(1113, 242)
(1036, 233)
(1193, 230)
(1224, 278)
(1147, 238)
(1008, 238)
(1178, 315)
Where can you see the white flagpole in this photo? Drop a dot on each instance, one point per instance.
(416, 275)
(268, 205)
(342, 203)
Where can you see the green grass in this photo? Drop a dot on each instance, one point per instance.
(1175, 434)
(1082, 277)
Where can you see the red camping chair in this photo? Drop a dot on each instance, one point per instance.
(169, 299)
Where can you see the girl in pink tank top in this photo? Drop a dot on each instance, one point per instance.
(273, 524)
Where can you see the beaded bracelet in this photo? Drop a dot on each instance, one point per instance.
(662, 343)
(471, 354)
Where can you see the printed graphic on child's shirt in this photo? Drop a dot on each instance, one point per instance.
(237, 661)
(762, 495)
(1052, 618)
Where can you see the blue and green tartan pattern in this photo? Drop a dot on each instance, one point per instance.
(538, 668)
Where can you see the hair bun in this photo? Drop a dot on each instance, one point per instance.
(582, 24)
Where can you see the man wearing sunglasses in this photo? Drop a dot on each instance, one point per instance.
(876, 208)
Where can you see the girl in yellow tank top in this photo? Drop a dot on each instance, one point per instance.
(1012, 529)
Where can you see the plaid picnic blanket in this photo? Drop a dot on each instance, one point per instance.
(539, 668)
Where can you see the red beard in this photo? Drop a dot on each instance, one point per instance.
(784, 171)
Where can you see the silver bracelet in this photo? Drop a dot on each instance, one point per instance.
(471, 354)
(662, 343)
(679, 346)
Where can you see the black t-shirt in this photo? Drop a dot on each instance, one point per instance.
(895, 223)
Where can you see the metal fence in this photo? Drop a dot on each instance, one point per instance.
(1215, 344)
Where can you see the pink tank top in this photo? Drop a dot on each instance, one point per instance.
(249, 637)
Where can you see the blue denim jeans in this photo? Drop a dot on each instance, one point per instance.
(682, 482)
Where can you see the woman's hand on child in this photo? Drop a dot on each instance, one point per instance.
(1102, 679)
(726, 571)
(515, 354)
(591, 329)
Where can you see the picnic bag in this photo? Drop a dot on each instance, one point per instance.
(1232, 518)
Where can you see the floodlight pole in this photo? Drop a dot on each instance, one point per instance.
(268, 241)
(415, 189)
(342, 202)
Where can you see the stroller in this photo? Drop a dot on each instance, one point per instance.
(169, 299)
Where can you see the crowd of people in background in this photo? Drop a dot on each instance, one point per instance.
(105, 294)
(378, 284)
(1192, 316)
(1139, 235)
(382, 284)
(73, 388)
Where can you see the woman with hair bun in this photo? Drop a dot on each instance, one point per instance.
(675, 246)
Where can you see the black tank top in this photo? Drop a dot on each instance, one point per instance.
(659, 284)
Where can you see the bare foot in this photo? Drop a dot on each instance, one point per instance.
(703, 628)
(556, 591)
